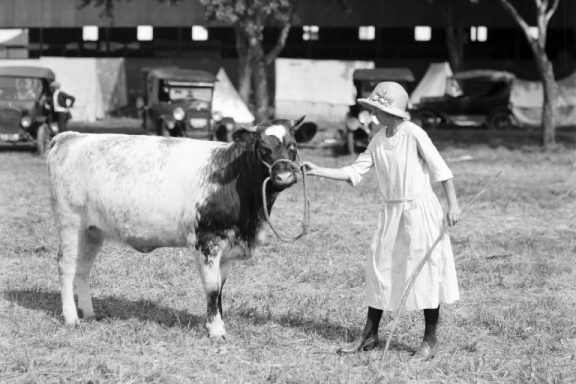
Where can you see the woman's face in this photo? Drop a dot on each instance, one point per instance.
(385, 119)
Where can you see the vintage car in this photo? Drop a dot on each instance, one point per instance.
(25, 106)
(359, 126)
(178, 102)
(472, 98)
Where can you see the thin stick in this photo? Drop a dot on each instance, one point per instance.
(416, 272)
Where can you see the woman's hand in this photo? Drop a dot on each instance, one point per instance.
(310, 168)
(453, 216)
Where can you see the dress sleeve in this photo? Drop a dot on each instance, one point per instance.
(361, 166)
(439, 171)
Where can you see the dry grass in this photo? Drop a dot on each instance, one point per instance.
(289, 308)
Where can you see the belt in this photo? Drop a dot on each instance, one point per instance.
(407, 199)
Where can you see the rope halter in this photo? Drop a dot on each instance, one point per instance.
(294, 167)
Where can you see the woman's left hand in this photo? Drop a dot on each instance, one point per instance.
(453, 216)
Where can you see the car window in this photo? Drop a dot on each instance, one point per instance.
(177, 91)
(20, 88)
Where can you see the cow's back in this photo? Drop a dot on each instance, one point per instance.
(142, 190)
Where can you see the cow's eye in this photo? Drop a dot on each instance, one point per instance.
(264, 151)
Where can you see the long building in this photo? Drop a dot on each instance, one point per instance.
(409, 33)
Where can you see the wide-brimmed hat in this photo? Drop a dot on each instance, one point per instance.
(389, 97)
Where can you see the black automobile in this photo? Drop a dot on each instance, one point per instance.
(475, 98)
(25, 106)
(178, 103)
(358, 127)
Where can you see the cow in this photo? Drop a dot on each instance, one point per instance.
(150, 192)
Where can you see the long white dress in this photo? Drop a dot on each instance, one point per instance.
(409, 221)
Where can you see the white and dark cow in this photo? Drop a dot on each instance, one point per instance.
(150, 192)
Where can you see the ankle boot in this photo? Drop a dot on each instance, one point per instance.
(361, 344)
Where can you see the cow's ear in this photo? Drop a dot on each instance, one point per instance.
(243, 134)
(297, 122)
(305, 132)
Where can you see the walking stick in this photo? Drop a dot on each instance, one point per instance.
(416, 272)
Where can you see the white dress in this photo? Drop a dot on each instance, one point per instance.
(409, 221)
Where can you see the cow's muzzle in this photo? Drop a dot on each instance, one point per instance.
(284, 179)
(282, 172)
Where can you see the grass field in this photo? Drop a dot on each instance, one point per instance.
(292, 305)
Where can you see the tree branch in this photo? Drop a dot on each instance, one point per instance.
(552, 10)
(281, 41)
(512, 11)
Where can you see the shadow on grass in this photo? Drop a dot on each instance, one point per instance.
(107, 307)
(325, 329)
(146, 310)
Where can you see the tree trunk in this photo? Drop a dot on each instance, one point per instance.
(550, 89)
(244, 65)
(454, 37)
(260, 86)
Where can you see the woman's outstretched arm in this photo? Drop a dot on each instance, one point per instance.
(330, 173)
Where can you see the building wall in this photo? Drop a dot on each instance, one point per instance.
(389, 13)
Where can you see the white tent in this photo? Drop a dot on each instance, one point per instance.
(99, 85)
(433, 82)
(228, 101)
(320, 89)
(527, 98)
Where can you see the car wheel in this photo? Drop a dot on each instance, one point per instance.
(43, 138)
(429, 119)
(499, 120)
(164, 130)
(350, 142)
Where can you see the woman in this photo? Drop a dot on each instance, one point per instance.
(409, 221)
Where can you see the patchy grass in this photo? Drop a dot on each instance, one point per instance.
(292, 305)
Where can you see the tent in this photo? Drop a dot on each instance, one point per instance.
(99, 85)
(322, 90)
(433, 83)
(527, 98)
(228, 101)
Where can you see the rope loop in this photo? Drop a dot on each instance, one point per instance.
(306, 214)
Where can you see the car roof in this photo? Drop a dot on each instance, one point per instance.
(383, 74)
(192, 75)
(27, 72)
(485, 74)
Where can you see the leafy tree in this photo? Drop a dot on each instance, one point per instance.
(455, 31)
(545, 9)
(248, 18)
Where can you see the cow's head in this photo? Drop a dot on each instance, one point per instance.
(275, 145)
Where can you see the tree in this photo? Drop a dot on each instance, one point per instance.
(248, 18)
(545, 9)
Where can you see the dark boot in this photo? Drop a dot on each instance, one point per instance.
(361, 344)
(429, 345)
(369, 339)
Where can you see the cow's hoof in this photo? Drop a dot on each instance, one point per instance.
(216, 329)
(86, 315)
(72, 323)
(218, 338)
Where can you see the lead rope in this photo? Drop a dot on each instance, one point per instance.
(416, 272)
(306, 213)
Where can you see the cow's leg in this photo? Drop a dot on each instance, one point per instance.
(208, 261)
(90, 243)
(67, 260)
(223, 276)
